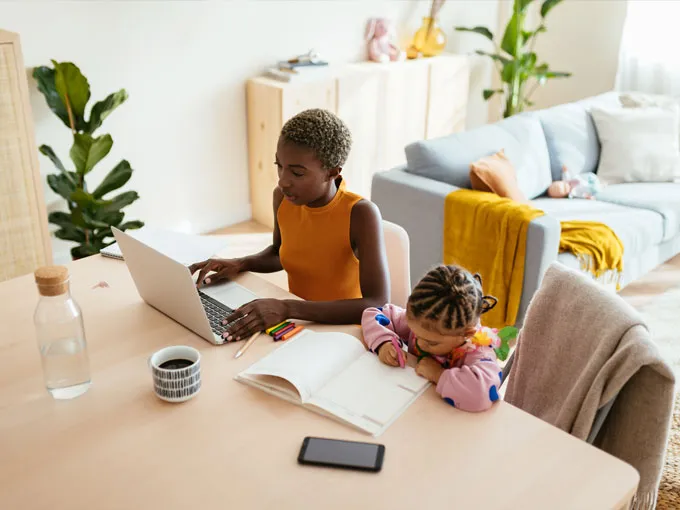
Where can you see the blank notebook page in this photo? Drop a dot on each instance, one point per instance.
(371, 390)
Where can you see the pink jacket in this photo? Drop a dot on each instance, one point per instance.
(470, 382)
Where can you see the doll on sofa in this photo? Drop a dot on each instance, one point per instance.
(575, 186)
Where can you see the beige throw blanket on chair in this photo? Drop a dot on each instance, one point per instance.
(581, 346)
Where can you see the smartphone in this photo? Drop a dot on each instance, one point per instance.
(319, 451)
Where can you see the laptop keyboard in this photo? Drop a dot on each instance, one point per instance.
(216, 313)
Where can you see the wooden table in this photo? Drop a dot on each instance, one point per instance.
(234, 447)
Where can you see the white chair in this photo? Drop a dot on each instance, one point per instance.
(397, 246)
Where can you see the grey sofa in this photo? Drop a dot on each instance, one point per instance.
(645, 216)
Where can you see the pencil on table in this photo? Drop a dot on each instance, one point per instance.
(245, 346)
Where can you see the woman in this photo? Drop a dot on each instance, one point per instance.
(328, 240)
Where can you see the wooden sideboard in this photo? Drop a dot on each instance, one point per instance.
(24, 236)
(386, 107)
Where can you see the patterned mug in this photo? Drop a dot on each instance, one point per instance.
(176, 373)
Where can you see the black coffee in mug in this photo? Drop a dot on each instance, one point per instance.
(176, 364)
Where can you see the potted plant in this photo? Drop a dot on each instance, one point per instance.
(515, 59)
(92, 213)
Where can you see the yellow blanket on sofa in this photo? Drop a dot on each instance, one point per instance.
(486, 234)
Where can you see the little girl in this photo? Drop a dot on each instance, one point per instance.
(441, 326)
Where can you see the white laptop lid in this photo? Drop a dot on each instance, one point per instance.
(165, 284)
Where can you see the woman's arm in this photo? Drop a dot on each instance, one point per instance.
(366, 234)
(267, 261)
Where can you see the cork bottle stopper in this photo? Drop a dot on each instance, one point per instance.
(51, 280)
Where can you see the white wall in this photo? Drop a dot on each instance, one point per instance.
(184, 64)
(583, 38)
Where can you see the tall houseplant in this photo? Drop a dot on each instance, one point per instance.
(91, 213)
(515, 58)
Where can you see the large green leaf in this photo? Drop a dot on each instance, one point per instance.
(508, 71)
(44, 77)
(83, 250)
(93, 223)
(103, 109)
(119, 201)
(557, 74)
(526, 65)
(61, 219)
(521, 5)
(131, 225)
(547, 6)
(112, 219)
(477, 30)
(487, 93)
(73, 89)
(61, 184)
(494, 56)
(82, 198)
(87, 151)
(47, 151)
(116, 178)
(70, 233)
(512, 38)
(102, 234)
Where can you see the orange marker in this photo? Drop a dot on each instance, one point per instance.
(291, 334)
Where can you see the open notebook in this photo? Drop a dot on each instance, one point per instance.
(333, 374)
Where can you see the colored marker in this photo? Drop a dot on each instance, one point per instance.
(283, 331)
(280, 328)
(275, 327)
(291, 334)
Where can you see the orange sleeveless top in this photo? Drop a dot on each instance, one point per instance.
(316, 251)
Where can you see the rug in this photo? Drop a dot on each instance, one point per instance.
(662, 316)
(669, 489)
(663, 319)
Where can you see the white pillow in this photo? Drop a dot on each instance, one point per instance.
(638, 144)
(644, 100)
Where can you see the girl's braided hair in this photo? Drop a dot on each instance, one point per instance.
(450, 297)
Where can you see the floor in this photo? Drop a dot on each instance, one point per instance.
(663, 278)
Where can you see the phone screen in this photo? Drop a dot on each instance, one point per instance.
(348, 454)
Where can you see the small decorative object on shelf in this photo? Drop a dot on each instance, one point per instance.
(429, 40)
(301, 67)
(379, 34)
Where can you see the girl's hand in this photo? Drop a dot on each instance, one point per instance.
(225, 269)
(387, 353)
(429, 369)
(257, 316)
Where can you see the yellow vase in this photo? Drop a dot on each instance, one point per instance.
(428, 41)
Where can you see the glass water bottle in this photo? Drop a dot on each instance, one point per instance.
(61, 335)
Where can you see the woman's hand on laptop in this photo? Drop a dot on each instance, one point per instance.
(257, 316)
(225, 269)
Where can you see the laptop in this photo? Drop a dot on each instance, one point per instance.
(167, 285)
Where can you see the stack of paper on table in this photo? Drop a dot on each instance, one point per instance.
(334, 375)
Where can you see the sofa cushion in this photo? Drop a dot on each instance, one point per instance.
(447, 159)
(496, 174)
(571, 136)
(638, 229)
(663, 198)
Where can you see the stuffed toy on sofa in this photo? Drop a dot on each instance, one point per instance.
(575, 186)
